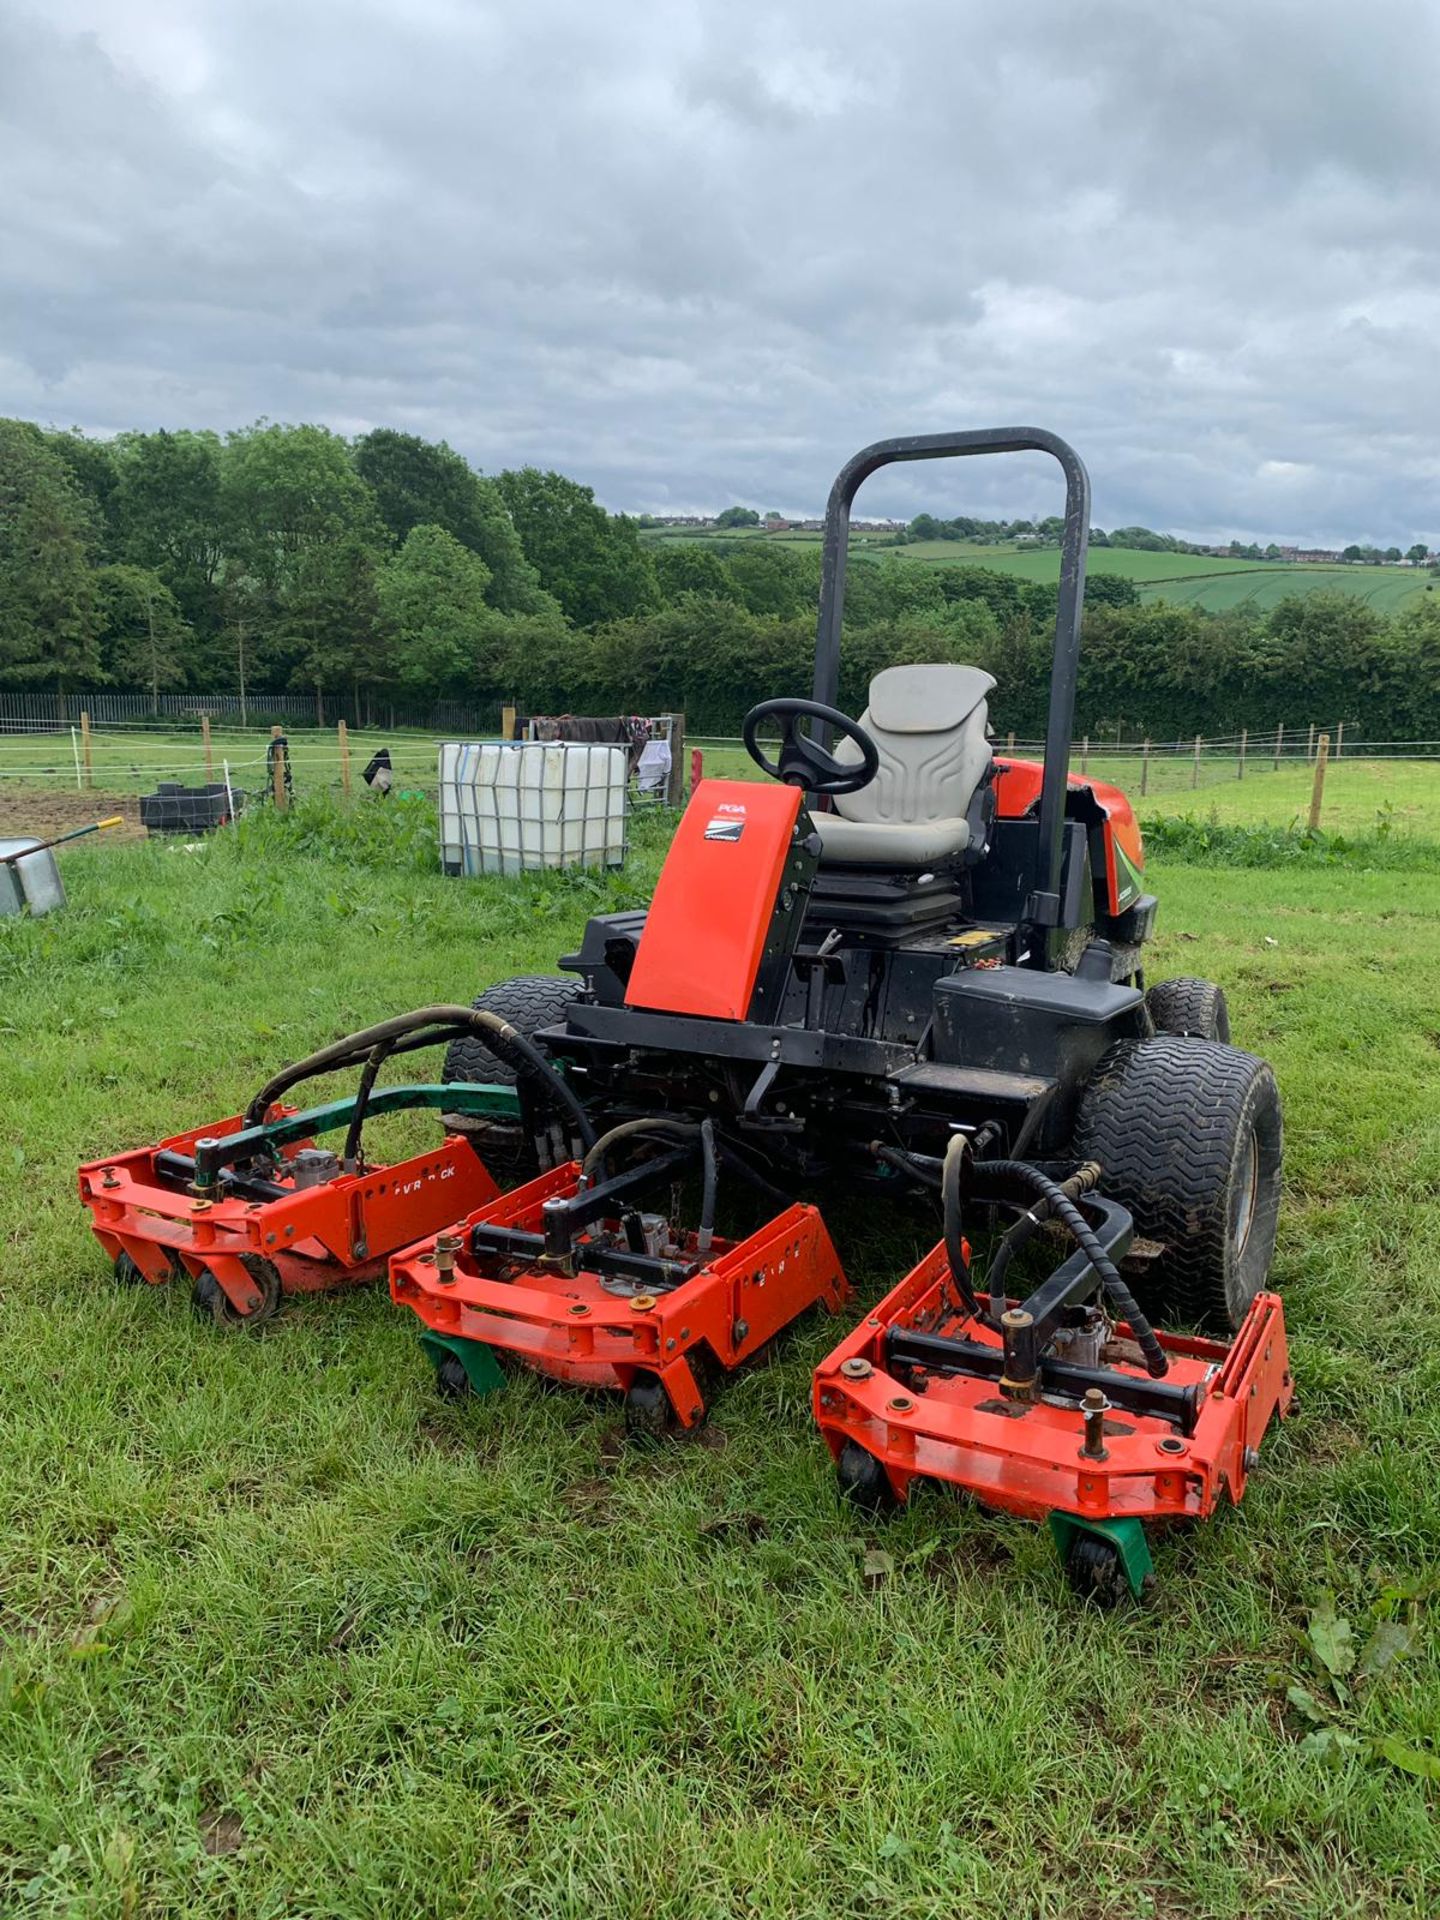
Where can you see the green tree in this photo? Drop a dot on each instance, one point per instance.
(50, 616)
(301, 527)
(432, 597)
(426, 483)
(592, 561)
(92, 467)
(145, 641)
(688, 566)
(167, 516)
(1419, 553)
(738, 517)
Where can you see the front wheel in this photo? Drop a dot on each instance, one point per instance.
(1189, 1136)
(1195, 1009)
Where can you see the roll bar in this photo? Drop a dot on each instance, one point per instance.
(1043, 906)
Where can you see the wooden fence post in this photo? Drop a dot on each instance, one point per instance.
(1240, 770)
(1195, 770)
(1145, 766)
(85, 747)
(1279, 739)
(1317, 792)
(209, 756)
(1310, 743)
(1339, 739)
(507, 723)
(277, 767)
(675, 786)
(1010, 743)
(344, 735)
(1085, 754)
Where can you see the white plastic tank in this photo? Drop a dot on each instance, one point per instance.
(512, 806)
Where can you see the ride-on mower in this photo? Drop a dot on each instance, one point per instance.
(912, 963)
(249, 1208)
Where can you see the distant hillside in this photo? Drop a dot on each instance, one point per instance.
(1184, 579)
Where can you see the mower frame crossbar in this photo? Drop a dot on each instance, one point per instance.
(942, 1354)
(212, 1153)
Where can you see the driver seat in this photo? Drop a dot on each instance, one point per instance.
(926, 803)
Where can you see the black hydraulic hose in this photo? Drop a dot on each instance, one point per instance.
(710, 1191)
(1019, 1173)
(631, 1129)
(918, 1166)
(952, 1184)
(1028, 1225)
(428, 1026)
(378, 1056)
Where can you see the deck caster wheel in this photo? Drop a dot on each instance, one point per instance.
(127, 1273)
(1096, 1572)
(452, 1382)
(209, 1299)
(649, 1414)
(864, 1481)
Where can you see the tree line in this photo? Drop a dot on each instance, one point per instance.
(282, 558)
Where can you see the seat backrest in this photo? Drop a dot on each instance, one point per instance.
(929, 724)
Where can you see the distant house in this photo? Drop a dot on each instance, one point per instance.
(1317, 556)
(774, 524)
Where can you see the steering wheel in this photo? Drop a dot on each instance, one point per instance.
(802, 762)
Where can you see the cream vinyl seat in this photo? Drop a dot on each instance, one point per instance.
(931, 727)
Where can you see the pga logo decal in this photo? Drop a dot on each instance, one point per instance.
(727, 822)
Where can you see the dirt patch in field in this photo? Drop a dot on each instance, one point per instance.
(42, 815)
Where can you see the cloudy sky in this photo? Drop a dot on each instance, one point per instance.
(691, 252)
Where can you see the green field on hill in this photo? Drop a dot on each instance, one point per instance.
(1185, 579)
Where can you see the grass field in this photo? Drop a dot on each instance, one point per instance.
(285, 1637)
(1218, 585)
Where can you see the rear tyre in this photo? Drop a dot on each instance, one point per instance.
(451, 1380)
(1194, 1009)
(1190, 1138)
(649, 1414)
(127, 1273)
(864, 1481)
(211, 1302)
(529, 1002)
(1095, 1571)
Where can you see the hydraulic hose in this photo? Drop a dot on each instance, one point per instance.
(952, 1184)
(918, 1166)
(634, 1129)
(1030, 1223)
(426, 1027)
(1019, 1173)
(378, 1056)
(706, 1233)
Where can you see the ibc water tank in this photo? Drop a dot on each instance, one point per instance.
(516, 806)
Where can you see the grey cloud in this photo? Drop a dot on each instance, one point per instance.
(690, 254)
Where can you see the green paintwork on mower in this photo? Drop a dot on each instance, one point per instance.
(458, 1097)
(1126, 1536)
(482, 1369)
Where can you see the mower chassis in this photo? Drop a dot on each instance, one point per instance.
(189, 1205)
(491, 1284)
(920, 1387)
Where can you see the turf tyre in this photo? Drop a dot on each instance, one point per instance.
(1190, 1137)
(1191, 1009)
(863, 1481)
(529, 1002)
(211, 1302)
